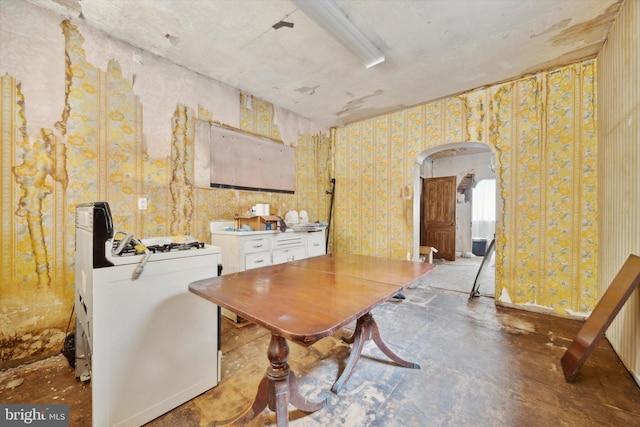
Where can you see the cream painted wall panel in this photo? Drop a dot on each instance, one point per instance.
(619, 176)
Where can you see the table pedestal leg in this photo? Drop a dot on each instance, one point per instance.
(366, 329)
(277, 389)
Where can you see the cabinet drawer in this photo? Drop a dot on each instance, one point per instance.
(289, 254)
(256, 260)
(315, 244)
(289, 240)
(256, 245)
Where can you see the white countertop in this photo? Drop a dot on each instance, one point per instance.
(254, 233)
(247, 233)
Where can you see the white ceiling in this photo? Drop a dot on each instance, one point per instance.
(433, 48)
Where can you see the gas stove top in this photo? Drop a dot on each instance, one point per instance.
(155, 245)
(168, 247)
(155, 248)
(160, 248)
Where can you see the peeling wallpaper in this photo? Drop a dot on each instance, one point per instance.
(97, 149)
(542, 130)
(161, 85)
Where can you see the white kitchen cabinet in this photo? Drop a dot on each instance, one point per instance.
(257, 260)
(244, 250)
(289, 247)
(240, 252)
(256, 245)
(281, 256)
(316, 244)
(257, 253)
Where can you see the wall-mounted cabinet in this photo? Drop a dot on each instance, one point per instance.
(245, 161)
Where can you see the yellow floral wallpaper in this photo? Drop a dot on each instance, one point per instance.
(542, 130)
(97, 152)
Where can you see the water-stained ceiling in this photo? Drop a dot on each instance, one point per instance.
(432, 48)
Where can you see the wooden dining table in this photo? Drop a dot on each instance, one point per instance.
(304, 301)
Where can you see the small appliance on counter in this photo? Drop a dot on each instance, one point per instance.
(147, 343)
(292, 217)
(304, 217)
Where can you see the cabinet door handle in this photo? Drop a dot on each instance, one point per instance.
(257, 246)
(258, 261)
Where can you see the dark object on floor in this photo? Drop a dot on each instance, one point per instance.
(479, 246)
(69, 349)
(622, 286)
(399, 296)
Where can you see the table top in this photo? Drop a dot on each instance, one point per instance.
(395, 272)
(310, 299)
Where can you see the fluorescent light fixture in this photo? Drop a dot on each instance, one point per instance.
(329, 16)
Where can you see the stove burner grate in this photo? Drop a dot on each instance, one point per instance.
(131, 249)
(176, 247)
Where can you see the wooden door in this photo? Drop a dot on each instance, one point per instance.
(438, 225)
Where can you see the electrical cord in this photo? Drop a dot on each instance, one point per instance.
(140, 248)
(128, 241)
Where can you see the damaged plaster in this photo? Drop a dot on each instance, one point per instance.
(589, 32)
(160, 86)
(356, 104)
(180, 184)
(43, 160)
(42, 76)
(552, 29)
(588, 35)
(308, 90)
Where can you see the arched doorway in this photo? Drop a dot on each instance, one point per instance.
(462, 166)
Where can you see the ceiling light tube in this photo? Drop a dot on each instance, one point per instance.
(329, 16)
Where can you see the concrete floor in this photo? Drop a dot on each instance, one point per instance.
(459, 275)
(480, 366)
